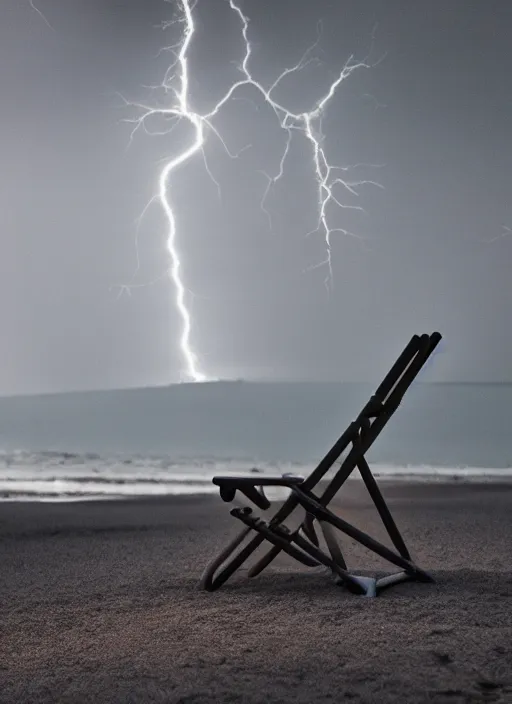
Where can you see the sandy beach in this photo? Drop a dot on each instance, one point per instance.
(100, 603)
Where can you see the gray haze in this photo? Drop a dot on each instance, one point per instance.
(435, 111)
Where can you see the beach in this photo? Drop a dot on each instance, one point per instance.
(100, 603)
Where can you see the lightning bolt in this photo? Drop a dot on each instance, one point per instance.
(40, 13)
(330, 179)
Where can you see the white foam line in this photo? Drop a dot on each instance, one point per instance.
(69, 488)
(62, 490)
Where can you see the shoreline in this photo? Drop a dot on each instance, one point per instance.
(207, 489)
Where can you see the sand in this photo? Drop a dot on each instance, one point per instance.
(99, 603)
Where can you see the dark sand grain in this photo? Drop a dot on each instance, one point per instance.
(99, 603)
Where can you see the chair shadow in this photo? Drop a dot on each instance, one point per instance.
(462, 583)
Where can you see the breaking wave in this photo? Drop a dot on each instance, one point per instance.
(64, 476)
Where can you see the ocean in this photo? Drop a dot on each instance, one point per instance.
(172, 440)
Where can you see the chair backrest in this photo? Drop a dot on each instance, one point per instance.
(373, 418)
(363, 431)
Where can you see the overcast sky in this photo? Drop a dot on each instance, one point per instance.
(433, 113)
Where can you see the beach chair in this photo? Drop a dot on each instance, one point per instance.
(313, 494)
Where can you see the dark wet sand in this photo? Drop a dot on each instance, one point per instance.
(99, 603)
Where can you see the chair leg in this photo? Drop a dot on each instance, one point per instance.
(209, 581)
(311, 504)
(382, 508)
(280, 540)
(332, 544)
(264, 561)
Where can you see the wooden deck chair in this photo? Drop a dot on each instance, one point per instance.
(302, 543)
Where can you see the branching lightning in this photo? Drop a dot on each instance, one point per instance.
(505, 232)
(330, 179)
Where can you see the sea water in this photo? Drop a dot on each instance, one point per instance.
(172, 440)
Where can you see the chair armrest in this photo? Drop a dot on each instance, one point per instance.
(247, 485)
